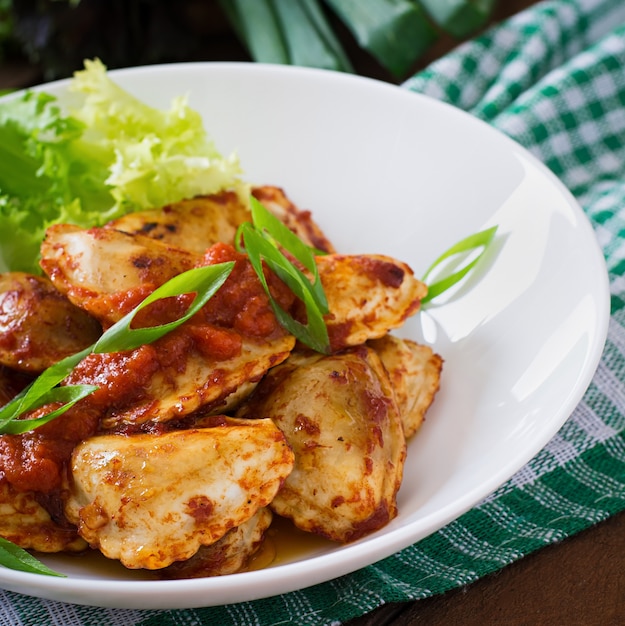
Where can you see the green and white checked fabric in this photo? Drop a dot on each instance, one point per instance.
(553, 78)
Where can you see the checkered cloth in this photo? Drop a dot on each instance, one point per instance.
(553, 78)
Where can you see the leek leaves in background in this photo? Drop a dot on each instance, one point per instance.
(396, 32)
(266, 43)
(289, 32)
(309, 38)
(459, 18)
(328, 34)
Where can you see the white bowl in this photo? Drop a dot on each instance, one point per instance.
(387, 171)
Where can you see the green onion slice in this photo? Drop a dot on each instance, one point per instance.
(32, 397)
(17, 558)
(204, 281)
(68, 395)
(261, 241)
(465, 247)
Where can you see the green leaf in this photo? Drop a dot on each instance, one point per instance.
(17, 558)
(317, 16)
(262, 241)
(282, 236)
(113, 154)
(459, 18)
(30, 397)
(68, 395)
(35, 178)
(204, 281)
(395, 32)
(153, 157)
(465, 248)
(308, 37)
(257, 24)
(259, 248)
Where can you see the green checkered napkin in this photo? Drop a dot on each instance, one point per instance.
(553, 78)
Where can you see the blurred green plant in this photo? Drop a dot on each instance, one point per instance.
(6, 25)
(396, 32)
(59, 34)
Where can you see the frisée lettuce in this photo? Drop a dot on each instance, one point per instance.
(109, 154)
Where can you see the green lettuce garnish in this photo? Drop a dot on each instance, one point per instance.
(109, 155)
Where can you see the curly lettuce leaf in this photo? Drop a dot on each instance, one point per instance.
(109, 155)
(159, 156)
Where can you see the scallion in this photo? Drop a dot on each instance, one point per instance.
(17, 558)
(466, 247)
(261, 241)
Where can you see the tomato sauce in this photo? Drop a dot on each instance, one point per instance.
(34, 461)
(389, 274)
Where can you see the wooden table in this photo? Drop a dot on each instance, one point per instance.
(580, 581)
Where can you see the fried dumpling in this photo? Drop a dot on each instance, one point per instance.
(26, 523)
(229, 555)
(231, 342)
(195, 224)
(151, 500)
(173, 378)
(91, 265)
(368, 295)
(339, 416)
(106, 272)
(414, 371)
(299, 221)
(38, 325)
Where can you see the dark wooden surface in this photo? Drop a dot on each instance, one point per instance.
(579, 581)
